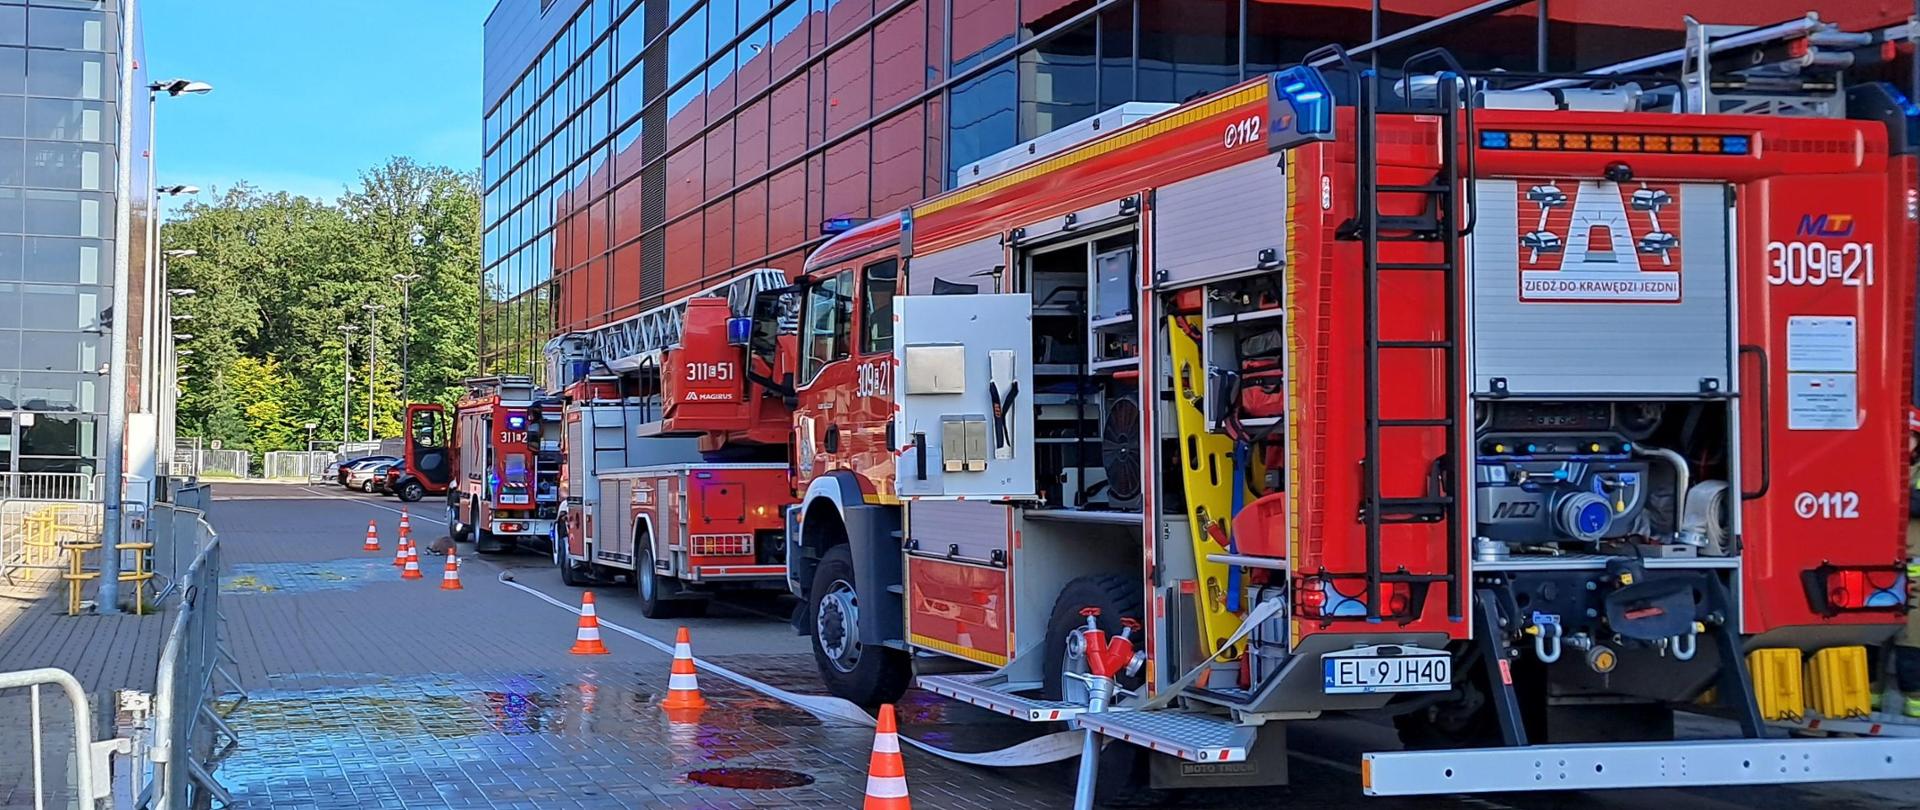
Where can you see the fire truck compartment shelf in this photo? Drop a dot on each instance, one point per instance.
(1694, 763)
(1879, 724)
(1188, 736)
(1569, 562)
(1082, 516)
(1269, 563)
(989, 691)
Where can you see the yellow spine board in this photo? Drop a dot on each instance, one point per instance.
(1206, 473)
(1776, 683)
(1838, 686)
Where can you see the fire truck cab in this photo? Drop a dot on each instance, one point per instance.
(426, 462)
(1523, 411)
(506, 453)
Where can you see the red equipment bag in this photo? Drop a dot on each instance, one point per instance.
(1263, 390)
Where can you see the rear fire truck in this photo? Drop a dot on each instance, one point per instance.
(676, 474)
(1522, 410)
(506, 464)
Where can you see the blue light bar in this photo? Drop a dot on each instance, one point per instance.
(1493, 139)
(739, 331)
(838, 225)
(1307, 107)
(516, 421)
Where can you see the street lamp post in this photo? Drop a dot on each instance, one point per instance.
(346, 384)
(373, 357)
(406, 280)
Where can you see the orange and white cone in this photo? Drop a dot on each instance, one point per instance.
(412, 571)
(586, 640)
(400, 552)
(683, 685)
(887, 772)
(450, 577)
(406, 526)
(373, 538)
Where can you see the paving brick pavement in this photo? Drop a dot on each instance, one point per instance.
(369, 691)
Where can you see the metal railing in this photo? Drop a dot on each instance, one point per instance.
(190, 734)
(81, 770)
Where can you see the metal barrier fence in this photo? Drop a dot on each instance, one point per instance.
(77, 773)
(39, 536)
(221, 463)
(190, 735)
(49, 486)
(306, 465)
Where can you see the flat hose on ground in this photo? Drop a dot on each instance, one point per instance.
(1055, 747)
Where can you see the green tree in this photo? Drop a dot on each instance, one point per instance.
(278, 275)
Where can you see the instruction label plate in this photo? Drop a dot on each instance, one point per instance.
(1822, 402)
(1822, 343)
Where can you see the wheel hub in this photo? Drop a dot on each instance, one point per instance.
(835, 624)
(1074, 690)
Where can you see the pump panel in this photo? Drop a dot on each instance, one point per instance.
(965, 424)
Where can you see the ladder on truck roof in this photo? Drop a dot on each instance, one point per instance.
(638, 342)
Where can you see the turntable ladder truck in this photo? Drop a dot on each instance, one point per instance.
(676, 475)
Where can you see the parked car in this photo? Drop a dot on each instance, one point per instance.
(349, 466)
(330, 473)
(368, 477)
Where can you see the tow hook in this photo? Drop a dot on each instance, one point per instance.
(1546, 641)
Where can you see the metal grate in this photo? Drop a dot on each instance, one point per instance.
(721, 545)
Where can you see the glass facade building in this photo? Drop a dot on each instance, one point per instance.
(63, 74)
(638, 150)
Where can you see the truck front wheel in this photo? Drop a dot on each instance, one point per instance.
(865, 674)
(412, 491)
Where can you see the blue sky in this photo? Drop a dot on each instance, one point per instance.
(307, 93)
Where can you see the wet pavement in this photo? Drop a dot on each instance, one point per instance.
(367, 691)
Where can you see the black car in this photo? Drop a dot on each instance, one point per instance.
(350, 466)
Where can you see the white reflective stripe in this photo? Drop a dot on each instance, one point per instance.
(683, 650)
(886, 743)
(683, 682)
(587, 610)
(589, 634)
(887, 787)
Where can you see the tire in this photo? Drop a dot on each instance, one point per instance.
(412, 492)
(1116, 596)
(866, 675)
(1124, 769)
(570, 575)
(457, 528)
(367, 486)
(484, 542)
(651, 587)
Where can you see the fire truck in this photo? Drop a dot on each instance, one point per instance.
(505, 462)
(1523, 410)
(676, 474)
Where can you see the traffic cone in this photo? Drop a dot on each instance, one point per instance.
(373, 538)
(683, 685)
(400, 552)
(450, 577)
(887, 772)
(412, 571)
(586, 641)
(406, 526)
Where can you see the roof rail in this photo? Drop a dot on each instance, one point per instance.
(638, 341)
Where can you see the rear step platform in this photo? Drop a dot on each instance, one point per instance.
(1188, 736)
(1693, 763)
(995, 693)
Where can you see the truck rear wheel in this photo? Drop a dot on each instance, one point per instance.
(867, 675)
(570, 575)
(1124, 769)
(655, 590)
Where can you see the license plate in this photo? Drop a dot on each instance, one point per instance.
(1386, 668)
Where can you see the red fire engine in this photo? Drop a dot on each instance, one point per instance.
(506, 465)
(676, 474)
(1521, 410)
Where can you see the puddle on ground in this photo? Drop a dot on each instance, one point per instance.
(306, 577)
(376, 741)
